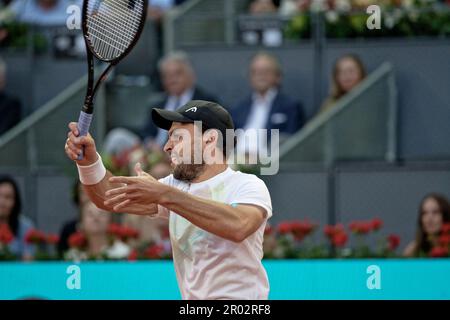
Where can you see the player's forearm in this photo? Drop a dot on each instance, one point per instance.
(218, 218)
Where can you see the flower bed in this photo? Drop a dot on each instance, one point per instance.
(287, 240)
(348, 19)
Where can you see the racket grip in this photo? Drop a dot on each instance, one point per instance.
(84, 122)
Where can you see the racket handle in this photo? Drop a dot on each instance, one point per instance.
(84, 122)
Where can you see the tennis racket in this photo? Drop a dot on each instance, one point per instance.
(111, 28)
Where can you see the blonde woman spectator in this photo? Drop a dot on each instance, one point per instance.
(348, 72)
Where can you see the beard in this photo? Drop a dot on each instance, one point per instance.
(188, 172)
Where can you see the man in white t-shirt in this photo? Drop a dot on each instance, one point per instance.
(217, 216)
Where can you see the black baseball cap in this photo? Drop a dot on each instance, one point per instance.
(211, 114)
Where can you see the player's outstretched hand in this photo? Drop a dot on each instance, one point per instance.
(75, 144)
(142, 190)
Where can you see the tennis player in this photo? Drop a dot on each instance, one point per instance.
(217, 216)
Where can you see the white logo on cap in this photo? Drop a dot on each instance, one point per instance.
(194, 109)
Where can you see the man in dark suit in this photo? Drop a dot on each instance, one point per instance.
(267, 107)
(178, 80)
(10, 108)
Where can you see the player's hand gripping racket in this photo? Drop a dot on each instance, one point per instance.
(110, 28)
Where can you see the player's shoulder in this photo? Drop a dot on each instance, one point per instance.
(243, 177)
(169, 180)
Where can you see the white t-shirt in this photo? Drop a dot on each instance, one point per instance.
(208, 266)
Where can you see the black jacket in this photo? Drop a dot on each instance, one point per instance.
(10, 112)
(286, 114)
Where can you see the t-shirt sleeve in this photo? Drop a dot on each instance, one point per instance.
(162, 212)
(252, 190)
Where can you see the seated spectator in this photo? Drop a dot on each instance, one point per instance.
(348, 72)
(10, 107)
(79, 198)
(258, 7)
(42, 12)
(434, 211)
(94, 224)
(10, 214)
(267, 107)
(179, 83)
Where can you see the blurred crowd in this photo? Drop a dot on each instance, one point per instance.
(266, 106)
(95, 234)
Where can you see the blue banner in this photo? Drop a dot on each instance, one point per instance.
(289, 279)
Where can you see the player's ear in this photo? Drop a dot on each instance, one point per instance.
(210, 136)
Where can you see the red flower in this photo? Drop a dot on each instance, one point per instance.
(122, 232)
(34, 236)
(133, 256)
(444, 240)
(339, 239)
(376, 224)
(302, 229)
(114, 229)
(6, 236)
(268, 230)
(393, 242)
(330, 230)
(154, 252)
(128, 233)
(446, 228)
(52, 239)
(77, 240)
(360, 227)
(284, 228)
(438, 252)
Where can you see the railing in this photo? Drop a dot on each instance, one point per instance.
(199, 21)
(360, 126)
(38, 140)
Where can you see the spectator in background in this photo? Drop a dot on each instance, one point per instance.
(151, 230)
(179, 83)
(267, 107)
(434, 211)
(10, 214)
(348, 72)
(10, 107)
(79, 198)
(94, 225)
(42, 12)
(258, 7)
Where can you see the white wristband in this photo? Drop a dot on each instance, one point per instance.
(93, 173)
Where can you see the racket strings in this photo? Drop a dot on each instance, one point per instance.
(112, 25)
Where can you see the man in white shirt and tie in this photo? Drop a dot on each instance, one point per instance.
(267, 107)
(179, 83)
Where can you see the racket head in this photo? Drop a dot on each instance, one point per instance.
(111, 28)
